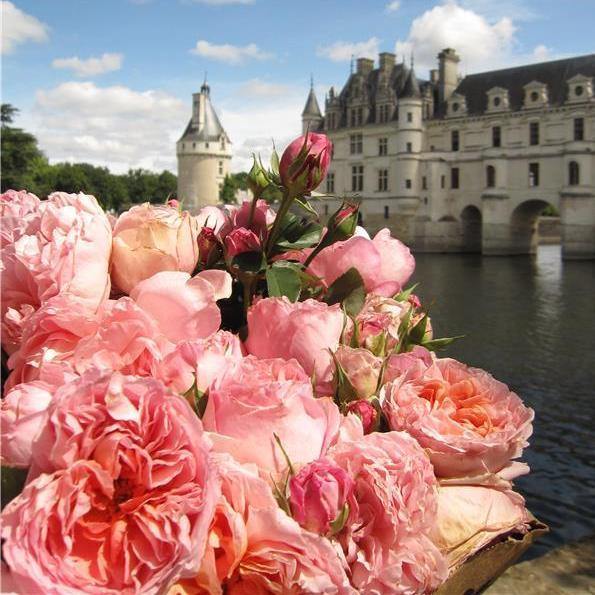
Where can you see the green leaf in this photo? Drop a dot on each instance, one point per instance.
(437, 344)
(252, 262)
(304, 204)
(338, 524)
(349, 290)
(403, 296)
(307, 240)
(283, 279)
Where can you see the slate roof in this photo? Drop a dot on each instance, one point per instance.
(411, 87)
(212, 130)
(312, 108)
(554, 75)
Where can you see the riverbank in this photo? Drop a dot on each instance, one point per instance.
(566, 570)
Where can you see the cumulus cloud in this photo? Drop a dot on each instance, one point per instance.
(393, 6)
(259, 88)
(114, 126)
(232, 54)
(343, 51)
(479, 43)
(19, 27)
(90, 66)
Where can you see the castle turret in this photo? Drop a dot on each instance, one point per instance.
(204, 154)
(410, 137)
(311, 116)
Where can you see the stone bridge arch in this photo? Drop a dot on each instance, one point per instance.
(471, 229)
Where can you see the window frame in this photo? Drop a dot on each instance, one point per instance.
(578, 127)
(533, 174)
(455, 140)
(534, 134)
(382, 180)
(356, 143)
(357, 178)
(496, 136)
(455, 178)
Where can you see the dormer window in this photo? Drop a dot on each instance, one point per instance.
(580, 88)
(457, 105)
(497, 99)
(535, 95)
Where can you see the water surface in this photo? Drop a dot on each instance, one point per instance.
(530, 321)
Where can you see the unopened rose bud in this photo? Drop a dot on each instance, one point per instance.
(257, 179)
(305, 162)
(361, 367)
(318, 495)
(366, 412)
(241, 240)
(174, 203)
(414, 301)
(208, 246)
(343, 222)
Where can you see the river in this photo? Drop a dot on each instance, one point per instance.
(530, 321)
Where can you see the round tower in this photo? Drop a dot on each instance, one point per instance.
(410, 138)
(204, 154)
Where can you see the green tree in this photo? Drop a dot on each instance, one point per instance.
(20, 153)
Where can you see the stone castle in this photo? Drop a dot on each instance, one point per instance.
(465, 163)
(204, 154)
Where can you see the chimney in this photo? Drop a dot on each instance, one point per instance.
(448, 77)
(365, 65)
(386, 60)
(434, 75)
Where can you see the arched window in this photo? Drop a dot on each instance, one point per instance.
(490, 176)
(573, 174)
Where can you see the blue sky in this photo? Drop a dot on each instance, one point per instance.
(109, 81)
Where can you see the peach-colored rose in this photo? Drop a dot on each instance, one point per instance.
(472, 516)
(255, 548)
(19, 215)
(362, 368)
(256, 399)
(50, 335)
(304, 331)
(384, 263)
(414, 361)
(184, 307)
(149, 239)
(67, 251)
(200, 361)
(467, 421)
(128, 498)
(22, 413)
(386, 538)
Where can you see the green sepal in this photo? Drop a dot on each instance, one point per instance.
(345, 391)
(338, 524)
(438, 344)
(403, 296)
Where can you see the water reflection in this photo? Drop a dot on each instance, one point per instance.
(530, 322)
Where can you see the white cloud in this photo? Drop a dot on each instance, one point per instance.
(342, 51)
(480, 44)
(114, 126)
(517, 10)
(232, 54)
(90, 66)
(542, 53)
(19, 27)
(259, 88)
(393, 6)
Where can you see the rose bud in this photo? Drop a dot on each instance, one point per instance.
(318, 495)
(366, 412)
(304, 163)
(342, 224)
(241, 240)
(414, 301)
(257, 179)
(208, 247)
(361, 367)
(174, 203)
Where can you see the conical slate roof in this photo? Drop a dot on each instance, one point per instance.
(211, 129)
(411, 87)
(312, 108)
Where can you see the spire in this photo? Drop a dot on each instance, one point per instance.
(205, 87)
(411, 86)
(312, 108)
(204, 124)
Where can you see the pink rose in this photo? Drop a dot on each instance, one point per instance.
(18, 212)
(254, 547)
(468, 422)
(305, 162)
(414, 361)
(262, 217)
(200, 361)
(66, 249)
(470, 517)
(149, 239)
(256, 399)
(22, 413)
(127, 339)
(302, 330)
(214, 218)
(386, 539)
(50, 335)
(362, 368)
(209, 250)
(184, 307)
(384, 263)
(241, 240)
(366, 412)
(133, 482)
(318, 495)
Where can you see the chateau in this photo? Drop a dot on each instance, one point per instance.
(204, 154)
(465, 163)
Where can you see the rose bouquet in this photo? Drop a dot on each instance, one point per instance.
(238, 401)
